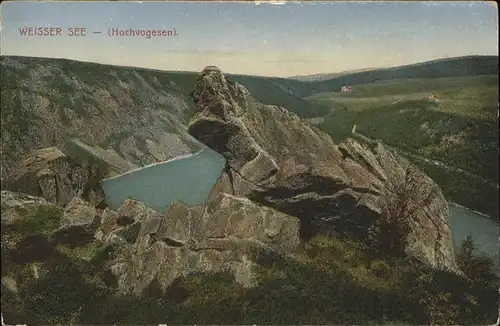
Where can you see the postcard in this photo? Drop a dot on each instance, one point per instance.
(253, 162)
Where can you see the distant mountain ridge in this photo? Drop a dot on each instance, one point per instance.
(321, 77)
(449, 67)
(327, 76)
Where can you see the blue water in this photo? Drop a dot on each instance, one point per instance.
(484, 230)
(187, 178)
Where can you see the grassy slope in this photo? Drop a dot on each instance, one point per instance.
(460, 131)
(330, 281)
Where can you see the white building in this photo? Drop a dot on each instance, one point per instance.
(346, 88)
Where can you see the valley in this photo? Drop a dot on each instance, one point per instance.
(250, 163)
(449, 120)
(175, 190)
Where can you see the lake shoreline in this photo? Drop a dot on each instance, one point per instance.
(187, 178)
(471, 210)
(180, 157)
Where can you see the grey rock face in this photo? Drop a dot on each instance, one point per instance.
(224, 235)
(78, 223)
(78, 213)
(84, 152)
(277, 160)
(50, 174)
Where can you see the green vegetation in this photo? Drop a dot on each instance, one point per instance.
(476, 266)
(460, 130)
(39, 223)
(332, 282)
(472, 192)
(329, 281)
(277, 92)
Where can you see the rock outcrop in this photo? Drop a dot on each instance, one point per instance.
(88, 154)
(430, 239)
(78, 223)
(228, 234)
(16, 205)
(50, 174)
(276, 159)
(224, 235)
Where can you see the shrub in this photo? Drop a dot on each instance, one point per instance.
(477, 267)
(440, 297)
(400, 203)
(332, 245)
(330, 249)
(442, 311)
(55, 297)
(380, 268)
(42, 221)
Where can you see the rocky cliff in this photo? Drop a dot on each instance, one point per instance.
(138, 114)
(278, 160)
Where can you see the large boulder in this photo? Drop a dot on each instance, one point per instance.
(224, 235)
(78, 223)
(276, 159)
(78, 213)
(50, 174)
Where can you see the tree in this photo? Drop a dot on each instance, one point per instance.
(477, 267)
(399, 205)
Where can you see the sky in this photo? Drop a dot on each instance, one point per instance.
(298, 38)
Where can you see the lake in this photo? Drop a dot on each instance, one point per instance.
(186, 178)
(484, 230)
